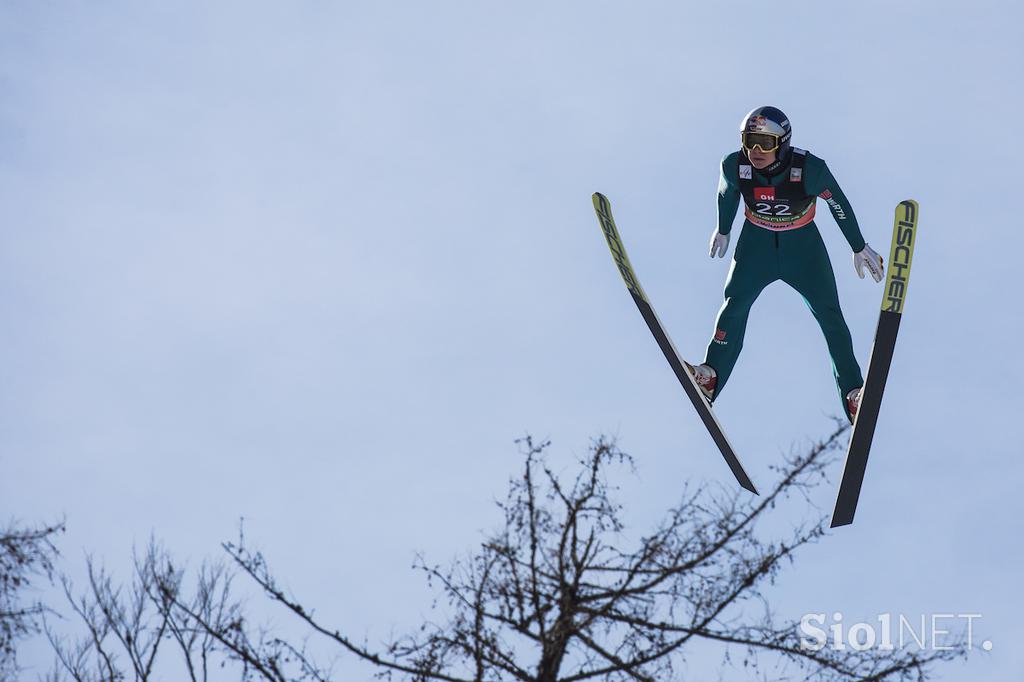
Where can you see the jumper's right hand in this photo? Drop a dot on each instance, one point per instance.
(719, 244)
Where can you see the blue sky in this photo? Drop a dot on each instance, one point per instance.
(319, 264)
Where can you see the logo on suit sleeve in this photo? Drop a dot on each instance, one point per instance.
(837, 208)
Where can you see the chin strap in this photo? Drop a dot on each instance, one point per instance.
(776, 166)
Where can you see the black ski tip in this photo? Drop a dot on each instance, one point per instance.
(743, 479)
(844, 512)
(839, 523)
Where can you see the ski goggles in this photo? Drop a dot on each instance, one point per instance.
(766, 142)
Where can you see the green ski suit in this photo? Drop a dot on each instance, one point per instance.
(781, 241)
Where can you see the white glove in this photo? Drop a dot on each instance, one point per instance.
(719, 244)
(867, 257)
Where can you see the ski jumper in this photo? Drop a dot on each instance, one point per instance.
(779, 240)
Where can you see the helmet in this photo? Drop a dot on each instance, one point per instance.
(767, 128)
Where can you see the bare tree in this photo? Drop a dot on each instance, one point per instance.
(554, 595)
(558, 594)
(127, 628)
(25, 554)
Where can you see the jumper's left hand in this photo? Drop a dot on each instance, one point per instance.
(867, 257)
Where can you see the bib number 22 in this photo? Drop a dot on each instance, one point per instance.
(773, 209)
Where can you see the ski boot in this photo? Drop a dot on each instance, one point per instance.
(853, 403)
(706, 378)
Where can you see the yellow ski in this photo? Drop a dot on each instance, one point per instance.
(904, 235)
(700, 403)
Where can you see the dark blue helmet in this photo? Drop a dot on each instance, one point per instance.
(768, 128)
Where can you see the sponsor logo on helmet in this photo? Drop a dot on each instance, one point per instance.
(757, 122)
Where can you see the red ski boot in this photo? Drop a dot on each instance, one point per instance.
(853, 403)
(706, 378)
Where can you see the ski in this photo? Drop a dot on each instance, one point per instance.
(897, 278)
(700, 403)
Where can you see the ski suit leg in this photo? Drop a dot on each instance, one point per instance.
(754, 266)
(806, 267)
